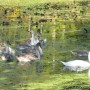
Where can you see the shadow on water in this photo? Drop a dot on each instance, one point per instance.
(38, 65)
(14, 75)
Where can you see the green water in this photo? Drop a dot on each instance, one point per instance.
(47, 73)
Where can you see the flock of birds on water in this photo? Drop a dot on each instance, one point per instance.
(32, 50)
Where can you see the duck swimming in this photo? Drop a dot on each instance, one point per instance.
(80, 53)
(77, 65)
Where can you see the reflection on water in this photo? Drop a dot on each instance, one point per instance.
(33, 66)
(49, 70)
(39, 66)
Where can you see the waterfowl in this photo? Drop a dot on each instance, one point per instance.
(31, 56)
(26, 57)
(3, 58)
(77, 65)
(85, 30)
(22, 59)
(8, 49)
(43, 41)
(2, 49)
(7, 57)
(39, 31)
(22, 48)
(33, 40)
(80, 52)
(39, 52)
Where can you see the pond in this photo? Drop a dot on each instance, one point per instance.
(48, 73)
(66, 30)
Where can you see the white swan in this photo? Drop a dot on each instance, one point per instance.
(77, 65)
(8, 49)
(7, 53)
(33, 40)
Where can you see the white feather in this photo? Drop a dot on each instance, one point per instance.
(77, 65)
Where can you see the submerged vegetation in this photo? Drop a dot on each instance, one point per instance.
(66, 27)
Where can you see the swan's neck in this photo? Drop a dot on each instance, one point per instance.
(89, 56)
(32, 34)
(40, 50)
(41, 28)
(7, 47)
(33, 37)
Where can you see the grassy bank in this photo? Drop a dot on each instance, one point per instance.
(31, 2)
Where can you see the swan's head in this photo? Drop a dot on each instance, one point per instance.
(45, 40)
(32, 32)
(7, 43)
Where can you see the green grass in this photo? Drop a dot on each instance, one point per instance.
(30, 2)
(24, 2)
